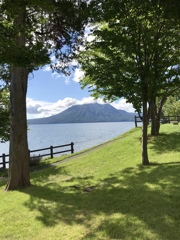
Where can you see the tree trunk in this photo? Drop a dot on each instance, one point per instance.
(145, 160)
(156, 111)
(18, 155)
(155, 125)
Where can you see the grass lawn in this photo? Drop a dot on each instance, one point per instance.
(104, 194)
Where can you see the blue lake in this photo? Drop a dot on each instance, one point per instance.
(84, 135)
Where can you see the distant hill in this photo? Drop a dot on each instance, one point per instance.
(86, 113)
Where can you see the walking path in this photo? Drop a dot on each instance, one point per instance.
(69, 158)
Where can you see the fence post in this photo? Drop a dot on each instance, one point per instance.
(4, 160)
(72, 148)
(51, 151)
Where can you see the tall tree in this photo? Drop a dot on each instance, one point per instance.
(171, 10)
(134, 54)
(31, 32)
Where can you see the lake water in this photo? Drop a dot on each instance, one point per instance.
(84, 135)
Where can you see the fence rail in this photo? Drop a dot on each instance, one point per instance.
(164, 119)
(4, 158)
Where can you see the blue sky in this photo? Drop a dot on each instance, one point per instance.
(51, 93)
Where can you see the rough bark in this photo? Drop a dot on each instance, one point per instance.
(156, 112)
(154, 118)
(145, 160)
(19, 156)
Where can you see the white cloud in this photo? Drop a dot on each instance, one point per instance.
(56, 75)
(47, 68)
(90, 38)
(88, 100)
(53, 58)
(39, 109)
(34, 108)
(121, 104)
(74, 63)
(89, 33)
(78, 75)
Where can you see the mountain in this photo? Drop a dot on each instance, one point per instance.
(86, 113)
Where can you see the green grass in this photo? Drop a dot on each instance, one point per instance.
(102, 194)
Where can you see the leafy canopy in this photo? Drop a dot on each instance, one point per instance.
(51, 28)
(135, 52)
(172, 107)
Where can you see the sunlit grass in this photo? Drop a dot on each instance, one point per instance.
(102, 194)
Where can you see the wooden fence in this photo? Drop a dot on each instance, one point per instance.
(4, 158)
(164, 119)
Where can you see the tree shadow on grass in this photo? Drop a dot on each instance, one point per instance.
(166, 142)
(125, 203)
(43, 175)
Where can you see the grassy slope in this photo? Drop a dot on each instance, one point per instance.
(104, 194)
